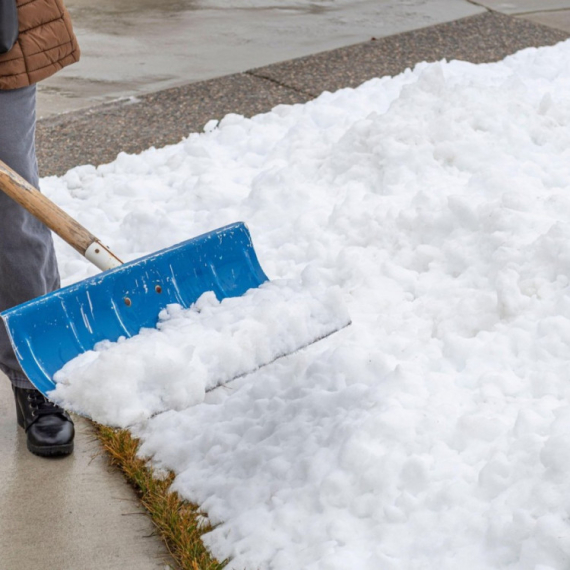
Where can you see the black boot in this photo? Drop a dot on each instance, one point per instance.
(50, 429)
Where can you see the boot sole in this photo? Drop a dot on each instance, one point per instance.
(51, 450)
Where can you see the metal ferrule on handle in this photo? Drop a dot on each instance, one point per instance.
(56, 219)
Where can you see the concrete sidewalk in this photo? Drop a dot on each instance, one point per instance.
(139, 47)
(77, 513)
(73, 513)
(136, 47)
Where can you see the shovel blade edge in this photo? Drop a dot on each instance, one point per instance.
(51, 330)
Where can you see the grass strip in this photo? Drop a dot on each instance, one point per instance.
(179, 523)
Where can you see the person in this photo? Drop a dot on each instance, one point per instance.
(28, 267)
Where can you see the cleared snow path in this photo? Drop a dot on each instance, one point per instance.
(435, 431)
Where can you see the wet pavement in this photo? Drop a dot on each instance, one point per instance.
(520, 7)
(142, 46)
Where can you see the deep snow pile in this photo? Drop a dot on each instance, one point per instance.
(435, 431)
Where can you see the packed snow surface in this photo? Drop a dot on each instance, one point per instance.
(435, 431)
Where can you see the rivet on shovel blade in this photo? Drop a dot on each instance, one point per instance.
(128, 302)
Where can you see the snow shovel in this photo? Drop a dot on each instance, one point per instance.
(51, 330)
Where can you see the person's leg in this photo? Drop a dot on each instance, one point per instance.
(28, 269)
(28, 266)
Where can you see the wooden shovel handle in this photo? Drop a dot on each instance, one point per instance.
(12, 184)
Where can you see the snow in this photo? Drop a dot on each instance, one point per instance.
(434, 432)
(196, 350)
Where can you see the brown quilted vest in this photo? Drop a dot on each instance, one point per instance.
(46, 44)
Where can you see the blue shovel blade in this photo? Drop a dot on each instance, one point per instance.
(49, 331)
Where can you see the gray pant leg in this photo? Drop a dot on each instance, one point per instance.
(28, 266)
